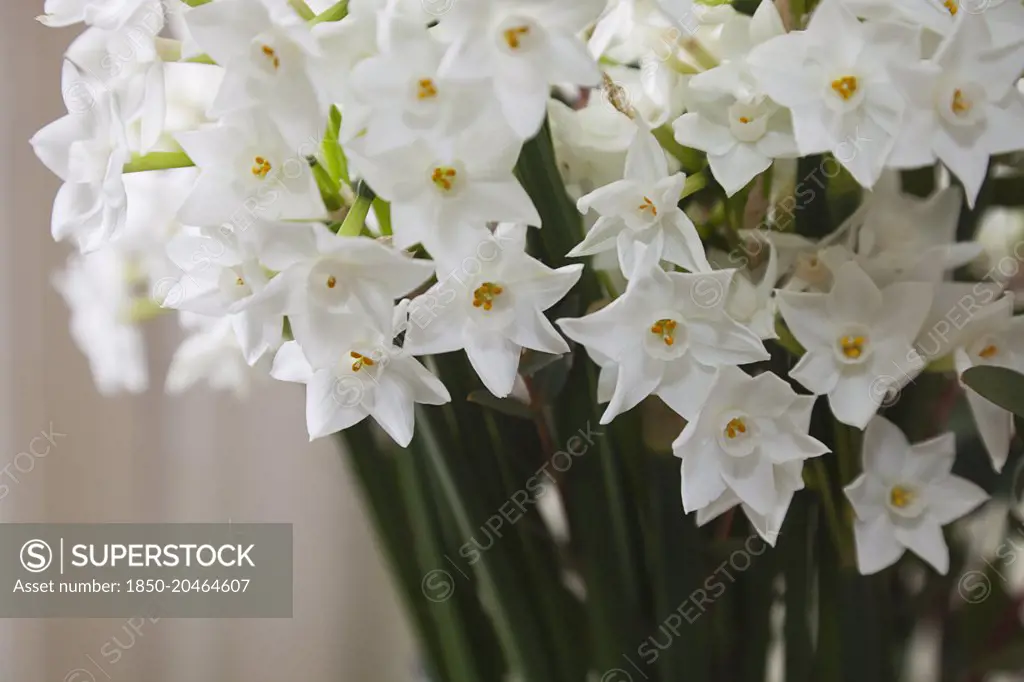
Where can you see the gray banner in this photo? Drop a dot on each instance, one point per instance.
(224, 570)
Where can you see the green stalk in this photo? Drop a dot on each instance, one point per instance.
(356, 218)
(335, 12)
(303, 9)
(195, 3)
(158, 161)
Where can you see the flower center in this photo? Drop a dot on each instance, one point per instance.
(735, 428)
(271, 55)
(960, 105)
(951, 7)
(359, 361)
(261, 167)
(665, 328)
(331, 281)
(515, 35)
(901, 497)
(485, 294)
(744, 120)
(853, 347)
(845, 87)
(444, 178)
(426, 89)
(648, 206)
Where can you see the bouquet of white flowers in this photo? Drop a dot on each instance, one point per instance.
(476, 221)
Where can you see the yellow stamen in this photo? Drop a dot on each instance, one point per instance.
(951, 7)
(513, 36)
(901, 497)
(744, 119)
(648, 205)
(665, 329)
(484, 295)
(331, 282)
(427, 89)
(988, 351)
(261, 167)
(852, 346)
(240, 282)
(735, 427)
(271, 54)
(360, 361)
(444, 177)
(960, 105)
(845, 87)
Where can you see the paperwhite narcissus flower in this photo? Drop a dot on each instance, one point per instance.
(859, 340)
(522, 49)
(221, 274)
(86, 149)
(441, 191)
(834, 78)
(741, 129)
(408, 98)
(746, 433)
(267, 61)
(989, 335)
(211, 355)
(248, 172)
(106, 14)
(962, 106)
(667, 333)
(904, 497)
(642, 211)
(904, 237)
(370, 378)
(1005, 19)
(324, 279)
(98, 291)
(491, 303)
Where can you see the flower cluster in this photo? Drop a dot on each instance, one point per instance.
(330, 194)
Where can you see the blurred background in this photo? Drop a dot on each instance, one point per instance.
(200, 457)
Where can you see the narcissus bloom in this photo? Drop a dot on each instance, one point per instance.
(904, 497)
(741, 447)
(858, 340)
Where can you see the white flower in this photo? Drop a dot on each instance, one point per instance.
(221, 275)
(740, 444)
(441, 191)
(371, 377)
(667, 333)
(1005, 18)
(989, 335)
(642, 210)
(210, 354)
(107, 14)
(409, 99)
(87, 149)
(730, 118)
(834, 77)
(326, 278)
(522, 49)
(859, 340)
(962, 106)
(752, 303)
(904, 497)
(248, 172)
(904, 237)
(268, 63)
(490, 300)
(97, 289)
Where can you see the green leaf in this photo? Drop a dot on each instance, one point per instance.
(1002, 386)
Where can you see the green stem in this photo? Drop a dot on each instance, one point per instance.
(835, 524)
(303, 9)
(694, 183)
(195, 3)
(158, 161)
(356, 218)
(335, 12)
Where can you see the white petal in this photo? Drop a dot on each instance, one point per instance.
(925, 540)
(495, 359)
(877, 546)
(817, 372)
(953, 498)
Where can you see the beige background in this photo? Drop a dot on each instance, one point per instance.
(200, 457)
